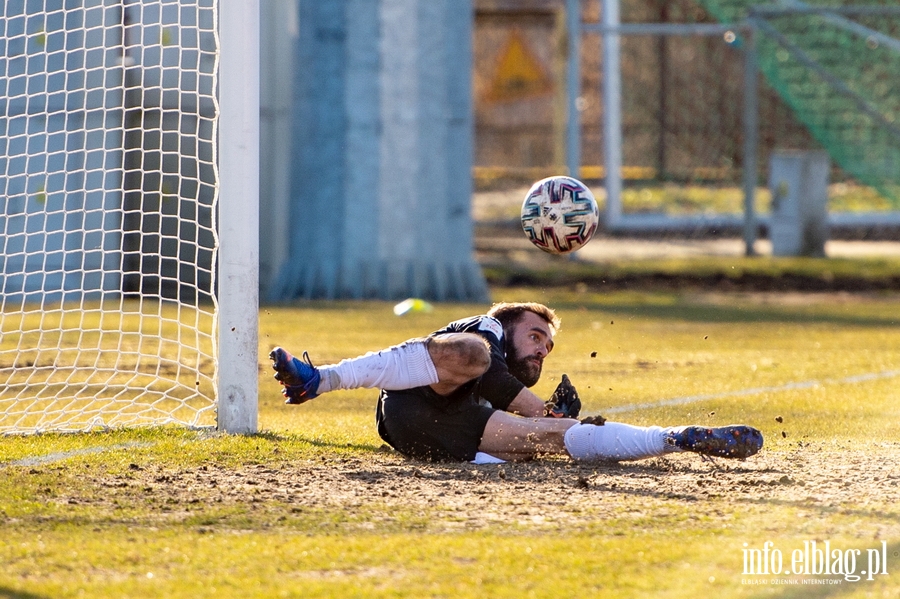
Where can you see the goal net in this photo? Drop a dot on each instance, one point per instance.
(108, 189)
(837, 65)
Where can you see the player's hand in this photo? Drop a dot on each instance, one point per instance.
(564, 403)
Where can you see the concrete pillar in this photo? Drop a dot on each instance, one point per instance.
(279, 28)
(381, 187)
(798, 181)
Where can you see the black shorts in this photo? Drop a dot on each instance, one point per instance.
(419, 423)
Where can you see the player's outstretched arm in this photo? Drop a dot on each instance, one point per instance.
(564, 403)
(526, 403)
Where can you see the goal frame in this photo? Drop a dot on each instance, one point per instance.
(238, 219)
(130, 215)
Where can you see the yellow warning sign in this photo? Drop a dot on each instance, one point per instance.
(519, 73)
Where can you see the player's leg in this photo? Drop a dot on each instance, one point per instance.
(445, 362)
(511, 437)
(458, 358)
(515, 438)
(402, 366)
(419, 423)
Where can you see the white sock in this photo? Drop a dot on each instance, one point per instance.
(403, 366)
(615, 441)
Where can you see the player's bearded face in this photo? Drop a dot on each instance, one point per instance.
(526, 368)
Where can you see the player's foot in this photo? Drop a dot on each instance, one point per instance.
(299, 377)
(733, 441)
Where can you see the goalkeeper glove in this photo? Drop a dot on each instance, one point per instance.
(564, 403)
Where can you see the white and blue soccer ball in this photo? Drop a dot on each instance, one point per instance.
(560, 214)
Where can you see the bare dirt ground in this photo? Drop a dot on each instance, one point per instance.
(537, 494)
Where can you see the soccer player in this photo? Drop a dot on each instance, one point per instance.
(462, 393)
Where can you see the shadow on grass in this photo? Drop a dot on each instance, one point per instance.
(320, 443)
(8, 593)
(736, 313)
(281, 437)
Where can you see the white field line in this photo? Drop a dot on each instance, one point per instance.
(680, 401)
(63, 455)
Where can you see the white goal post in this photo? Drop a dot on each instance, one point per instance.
(128, 214)
(239, 215)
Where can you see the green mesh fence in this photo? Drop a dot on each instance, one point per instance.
(839, 70)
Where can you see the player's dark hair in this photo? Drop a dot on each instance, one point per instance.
(510, 313)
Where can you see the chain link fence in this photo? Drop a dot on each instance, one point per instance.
(682, 103)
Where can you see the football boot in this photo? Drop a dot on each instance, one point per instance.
(733, 441)
(299, 377)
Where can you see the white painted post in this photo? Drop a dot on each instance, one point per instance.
(751, 138)
(573, 88)
(238, 253)
(612, 112)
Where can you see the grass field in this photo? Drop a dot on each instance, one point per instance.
(316, 506)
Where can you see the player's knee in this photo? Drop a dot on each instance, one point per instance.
(461, 352)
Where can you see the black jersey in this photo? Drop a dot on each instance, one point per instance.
(497, 386)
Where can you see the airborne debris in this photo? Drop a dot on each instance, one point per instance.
(779, 419)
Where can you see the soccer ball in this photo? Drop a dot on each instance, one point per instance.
(559, 214)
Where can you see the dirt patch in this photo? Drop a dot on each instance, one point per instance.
(542, 493)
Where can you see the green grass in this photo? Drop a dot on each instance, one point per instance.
(95, 524)
(723, 272)
(648, 347)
